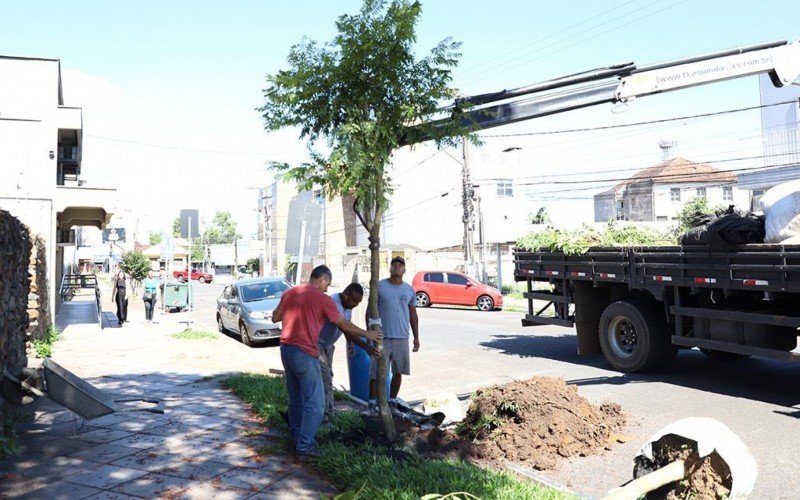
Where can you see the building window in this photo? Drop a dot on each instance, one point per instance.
(701, 192)
(675, 194)
(620, 210)
(727, 193)
(662, 218)
(505, 187)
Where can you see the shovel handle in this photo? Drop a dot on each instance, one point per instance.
(645, 484)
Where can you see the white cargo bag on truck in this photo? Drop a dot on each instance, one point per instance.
(781, 206)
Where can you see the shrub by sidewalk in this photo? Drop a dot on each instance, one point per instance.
(373, 471)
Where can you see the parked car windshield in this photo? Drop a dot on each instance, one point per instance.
(261, 291)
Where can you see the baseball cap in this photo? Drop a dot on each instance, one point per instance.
(398, 259)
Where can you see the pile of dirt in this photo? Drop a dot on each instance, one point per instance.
(707, 477)
(536, 421)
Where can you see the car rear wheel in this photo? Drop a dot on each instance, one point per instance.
(181, 279)
(423, 300)
(485, 303)
(245, 337)
(202, 279)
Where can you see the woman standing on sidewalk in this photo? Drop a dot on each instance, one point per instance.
(119, 295)
(149, 296)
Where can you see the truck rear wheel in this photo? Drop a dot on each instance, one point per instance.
(633, 337)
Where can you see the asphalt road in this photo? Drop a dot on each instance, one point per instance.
(465, 349)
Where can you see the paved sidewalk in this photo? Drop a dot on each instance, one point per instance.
(204, 445)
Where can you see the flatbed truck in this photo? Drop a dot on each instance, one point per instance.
(638, 306)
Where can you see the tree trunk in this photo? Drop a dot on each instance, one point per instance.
(372, 313)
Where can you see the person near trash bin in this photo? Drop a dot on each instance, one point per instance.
(150, 296)
(397, 310)
(303, 309)
(119, 294)
(345, 301)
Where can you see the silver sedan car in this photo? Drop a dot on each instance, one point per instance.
(246, 307)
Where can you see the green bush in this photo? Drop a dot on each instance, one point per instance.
(44, 347)
(695, 210)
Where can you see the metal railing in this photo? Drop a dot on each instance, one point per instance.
(71, 283)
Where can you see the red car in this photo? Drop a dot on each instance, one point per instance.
(196, 275)
(450, 287)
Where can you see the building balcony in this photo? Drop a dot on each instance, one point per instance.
(84, 206)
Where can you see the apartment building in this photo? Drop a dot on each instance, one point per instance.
(40, 160)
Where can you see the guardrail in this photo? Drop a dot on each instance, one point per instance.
(71, 283)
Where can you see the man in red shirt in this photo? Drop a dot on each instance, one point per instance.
(304, 309)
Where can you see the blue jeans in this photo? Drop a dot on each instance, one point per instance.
(306, 396)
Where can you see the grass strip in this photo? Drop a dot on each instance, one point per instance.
(194, 335)
(369, 470)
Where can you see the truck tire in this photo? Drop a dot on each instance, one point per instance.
(181, 279)
(633, 337)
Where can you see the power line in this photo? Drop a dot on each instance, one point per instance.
(469, 80)
(704, 162)
(637, 124)
(697, 175)
(494, 60)
(177, 148)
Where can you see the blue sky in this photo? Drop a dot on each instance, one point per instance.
(168, 87)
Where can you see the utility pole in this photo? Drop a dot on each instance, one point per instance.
(467, 192)
(267, 229)
(481, 274)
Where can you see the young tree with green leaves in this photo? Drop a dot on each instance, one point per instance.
(358, 96)
(135, 264)
(223, 229)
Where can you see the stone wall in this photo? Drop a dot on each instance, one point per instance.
(15, 253)
(38, 298)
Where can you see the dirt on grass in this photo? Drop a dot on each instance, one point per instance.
(533, 422)
(706, 478)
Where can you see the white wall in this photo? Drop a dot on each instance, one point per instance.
(28, 133)
(665, 207)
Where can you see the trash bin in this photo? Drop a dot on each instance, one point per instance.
(176, 295)
(358, 363)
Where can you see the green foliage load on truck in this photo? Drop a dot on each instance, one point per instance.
(578, 241)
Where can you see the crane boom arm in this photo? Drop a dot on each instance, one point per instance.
(624, 82)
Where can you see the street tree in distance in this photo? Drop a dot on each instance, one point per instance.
(223, 229)
(361, 96)
(135, 264)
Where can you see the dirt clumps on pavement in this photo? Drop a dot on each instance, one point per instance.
(535, 422)
(706, 478)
